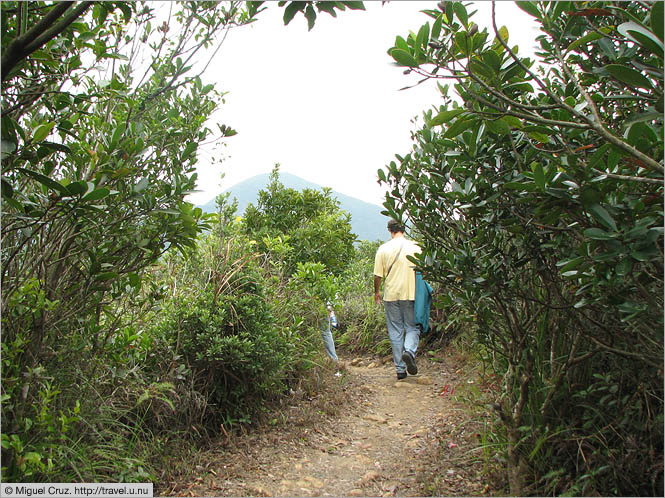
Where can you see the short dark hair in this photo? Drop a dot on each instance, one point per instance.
(395, 226)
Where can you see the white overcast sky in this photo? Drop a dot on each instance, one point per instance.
(325, 104)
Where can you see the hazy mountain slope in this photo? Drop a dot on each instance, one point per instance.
(367, 221)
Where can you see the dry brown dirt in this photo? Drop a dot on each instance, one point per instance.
(373, 436)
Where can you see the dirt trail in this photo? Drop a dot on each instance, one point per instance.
(395, 438)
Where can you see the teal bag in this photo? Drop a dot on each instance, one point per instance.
(421, 306)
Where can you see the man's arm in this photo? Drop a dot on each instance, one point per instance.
(377, 287)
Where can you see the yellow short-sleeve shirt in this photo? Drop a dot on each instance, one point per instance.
(400, 284)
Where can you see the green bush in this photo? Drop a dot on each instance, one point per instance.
(311, 221)
(221, 323)
(362, 323)
(94, 177)
(539, 202)
(82, 413)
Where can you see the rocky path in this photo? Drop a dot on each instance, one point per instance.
(391, 438)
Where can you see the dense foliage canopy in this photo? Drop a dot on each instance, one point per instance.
(133, 323)
(104, 105)
(537, 190)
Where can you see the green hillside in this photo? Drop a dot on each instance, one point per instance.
(366, 219)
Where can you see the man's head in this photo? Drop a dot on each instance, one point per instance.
(395, 227)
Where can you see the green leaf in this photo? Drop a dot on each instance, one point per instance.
(355, 5)
(191, 147)
(117, 134)
(141, 185)
(7, 147)
(539, 137)
(520, 86)
(226, 131)
(449, 12)
(649, 42)
(95, 195)
(644, 255)
(657, 19)
(539, 176)
(310, 15)
(328, 7)
(629, 307)
(492, 59)
(570, 264)
(458, 127)
(478, 67)
(529, 187)
(460, 12)
(462, 42)
(503, 33)
(168, 211)
(126, 10)
(601, 215)
(423, 36)
(400, 43)
(513, 122)
(584, 40)
(642, 117)
(444, 117)
(497, 126)
(624, 267)
(109, 275)
(77, 188)
(530, 8)
(642, 36)
(99, 13)
(7, 189)
(403, 58)
(628, 75)
(436, 27)
(291, 10)
(46, 181)
(53, 146)
(598, 156)
(597, 234)
(42, 131)
(134, 280)
(557, 8)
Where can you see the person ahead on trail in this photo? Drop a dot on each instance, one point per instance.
(399, 290)
(326, 333)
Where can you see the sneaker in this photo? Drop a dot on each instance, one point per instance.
(401, 375)
(410, 361)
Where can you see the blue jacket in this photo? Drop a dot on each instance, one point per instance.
(423, 301)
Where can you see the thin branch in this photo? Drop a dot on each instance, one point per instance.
(641, 179)
(529, 117)
(597, 123)
(543, 86)
(508, 100)
(629, 354)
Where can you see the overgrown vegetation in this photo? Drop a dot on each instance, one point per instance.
(538, 196)
(134, 325)
(362, 322)
(125, 332)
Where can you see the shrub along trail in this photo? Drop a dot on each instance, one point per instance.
(375, 436)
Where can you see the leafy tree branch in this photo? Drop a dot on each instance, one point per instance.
(52, 24)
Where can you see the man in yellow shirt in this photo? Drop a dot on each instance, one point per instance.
(399, 293)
